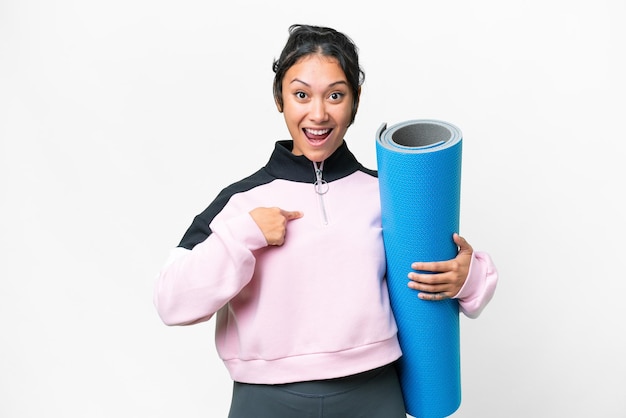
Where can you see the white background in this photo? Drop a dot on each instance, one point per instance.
(120, 120)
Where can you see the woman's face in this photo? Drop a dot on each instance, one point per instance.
(317, 106)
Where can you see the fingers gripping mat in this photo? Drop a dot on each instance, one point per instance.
(419, 170)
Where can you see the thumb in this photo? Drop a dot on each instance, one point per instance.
(464, 246)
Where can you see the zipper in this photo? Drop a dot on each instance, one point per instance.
(321, 187)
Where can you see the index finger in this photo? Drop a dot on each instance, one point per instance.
(291, 214)
(431, 266)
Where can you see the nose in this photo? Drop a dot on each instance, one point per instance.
(317, 112)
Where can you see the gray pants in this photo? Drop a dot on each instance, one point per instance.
(373, 394)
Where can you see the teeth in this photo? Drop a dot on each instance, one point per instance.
(318, 131)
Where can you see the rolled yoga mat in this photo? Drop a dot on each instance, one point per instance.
(419, 170)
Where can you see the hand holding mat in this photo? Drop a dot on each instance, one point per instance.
(419, 170)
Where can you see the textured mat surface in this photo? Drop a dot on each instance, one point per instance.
(419, 169)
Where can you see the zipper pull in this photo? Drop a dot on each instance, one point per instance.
(321, 186)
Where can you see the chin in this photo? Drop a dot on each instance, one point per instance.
(317, 156)
(320, 154)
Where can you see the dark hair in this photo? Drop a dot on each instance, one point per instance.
(306, 40)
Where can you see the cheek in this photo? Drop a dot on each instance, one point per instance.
(293, 113)
(290, 117)
(346, 117)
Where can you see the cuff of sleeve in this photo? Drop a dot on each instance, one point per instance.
(243, 229)
(479, 286)
(470, 287)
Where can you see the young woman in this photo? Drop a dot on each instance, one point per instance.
(291, 259)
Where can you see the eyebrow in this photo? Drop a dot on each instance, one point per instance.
(308, 85)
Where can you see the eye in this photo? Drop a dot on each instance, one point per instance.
(336, 96)
(301, 95)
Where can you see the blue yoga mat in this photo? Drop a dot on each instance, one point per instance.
(419, 170)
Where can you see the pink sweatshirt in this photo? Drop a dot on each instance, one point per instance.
(316, 307)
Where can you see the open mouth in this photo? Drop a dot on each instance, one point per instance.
(316, 135)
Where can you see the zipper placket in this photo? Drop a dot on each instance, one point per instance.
(321, 187)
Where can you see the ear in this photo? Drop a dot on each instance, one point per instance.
(278, 106)
(358, 100)
(355, 106)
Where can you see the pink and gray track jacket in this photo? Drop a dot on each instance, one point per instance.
(316, 307)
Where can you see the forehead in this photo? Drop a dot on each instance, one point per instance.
(315, 68)
(317, 56)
